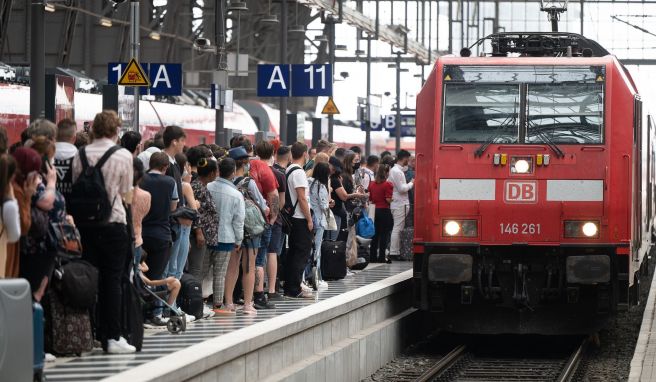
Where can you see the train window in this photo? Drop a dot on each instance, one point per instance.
(568, 113)
(481, 113)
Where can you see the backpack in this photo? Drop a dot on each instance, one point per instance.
(89, 202)
(288, 209)
(254, 221)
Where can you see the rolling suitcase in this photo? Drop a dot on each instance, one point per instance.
(68, 329)
(333, 260)
(190, 299)
(407, 236)
(16, 331)
(38, 340)
(133, 314)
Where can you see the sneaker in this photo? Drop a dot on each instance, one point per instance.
(119, 347)
(207, 312)
(189, 318)
(306, 288)
(226, 310)
(303, 295)
(322, 285)
(262, 303)
(158, 321)
(349, 273)
(274, 296)
(50, 358)
(249, 310)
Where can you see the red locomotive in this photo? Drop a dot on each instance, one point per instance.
(535, 187)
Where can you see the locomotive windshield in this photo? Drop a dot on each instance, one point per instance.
(523, 104)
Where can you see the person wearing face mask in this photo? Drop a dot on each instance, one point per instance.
(400, 202)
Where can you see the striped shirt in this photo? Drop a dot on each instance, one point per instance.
(117, 173)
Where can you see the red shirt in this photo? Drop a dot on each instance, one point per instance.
(263, 176)
(379, 192)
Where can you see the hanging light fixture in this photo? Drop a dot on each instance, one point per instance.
(296, 28)
(269, 18)
(104, 21)
(237, 6)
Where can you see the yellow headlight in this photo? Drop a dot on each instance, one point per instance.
(452, 228)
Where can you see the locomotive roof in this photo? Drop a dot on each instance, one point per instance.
(541, 44)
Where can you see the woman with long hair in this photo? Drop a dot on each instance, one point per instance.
(319, 202)
(380, 194)
(319, 158)
(9, 215)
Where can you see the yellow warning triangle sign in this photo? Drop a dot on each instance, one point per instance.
(330, 107)
(134, 75)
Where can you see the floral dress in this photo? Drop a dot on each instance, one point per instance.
(208, 217)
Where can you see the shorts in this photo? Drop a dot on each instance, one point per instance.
(251, 242)
(260, 260)
(275, 244)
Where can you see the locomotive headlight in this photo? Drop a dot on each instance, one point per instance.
(590, 229)
(522, 166)
(452, 228)
(460, 228)
(581, 229)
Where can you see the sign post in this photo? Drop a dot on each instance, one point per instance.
(134, 43)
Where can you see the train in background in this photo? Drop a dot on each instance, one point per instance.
(197, 121)
(534, 189)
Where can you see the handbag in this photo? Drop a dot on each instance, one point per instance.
(184, 212)
(371, 211)
(67, 239)
(330, 219)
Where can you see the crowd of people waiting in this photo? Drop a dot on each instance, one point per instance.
(248, 220)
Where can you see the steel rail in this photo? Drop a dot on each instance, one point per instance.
(573, 363)
(442, 364)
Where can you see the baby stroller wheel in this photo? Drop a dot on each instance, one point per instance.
(176, 324)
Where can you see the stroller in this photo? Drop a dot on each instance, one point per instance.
(177, 321)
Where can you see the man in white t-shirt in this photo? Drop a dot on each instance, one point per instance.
(301, 236)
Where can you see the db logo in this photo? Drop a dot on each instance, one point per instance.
(521, 192)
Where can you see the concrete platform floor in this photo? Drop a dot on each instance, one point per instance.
(159, 342)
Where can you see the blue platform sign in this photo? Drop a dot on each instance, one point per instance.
(165, 79)
(312, 81)
(273, 81)
(388, 123)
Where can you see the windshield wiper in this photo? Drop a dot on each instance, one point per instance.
(506, 123)
(540, 131)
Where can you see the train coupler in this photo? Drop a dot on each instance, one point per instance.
(573, 295)
(466, 294)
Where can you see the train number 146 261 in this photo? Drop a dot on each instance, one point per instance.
(519, 228)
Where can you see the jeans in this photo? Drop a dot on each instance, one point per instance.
(196, 258)
(107, 248)
(399, 215)
(300, 248)
(179, 252)
(383, 223)
(316, 258)
(261, 259)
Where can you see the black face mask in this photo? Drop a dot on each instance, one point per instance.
(356, 166)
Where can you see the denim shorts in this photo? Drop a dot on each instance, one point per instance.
(260, 260)
(275, 244)
(251, 242)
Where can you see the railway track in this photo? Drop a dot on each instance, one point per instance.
(465, 366)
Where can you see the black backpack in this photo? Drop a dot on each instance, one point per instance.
(89, 202)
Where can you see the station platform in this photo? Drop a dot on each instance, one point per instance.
(643, 364)
(223, 339)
